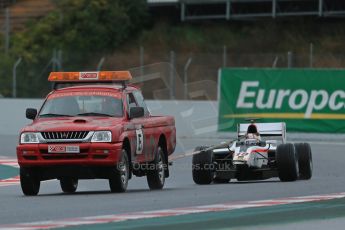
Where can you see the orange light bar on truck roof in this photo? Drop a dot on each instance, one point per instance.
(90, 76)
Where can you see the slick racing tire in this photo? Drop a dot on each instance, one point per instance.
(287, 162)
(203, 168)
(119, 175)
(305, 161)
(156, 171)
(69, 184)
(29, 183)
(217, 180)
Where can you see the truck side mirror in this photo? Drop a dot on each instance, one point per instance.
(31, 113)
(136, 112)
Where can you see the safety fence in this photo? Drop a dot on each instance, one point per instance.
(194, 76)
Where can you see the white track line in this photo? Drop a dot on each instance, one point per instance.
(168, 212)
(9, 162)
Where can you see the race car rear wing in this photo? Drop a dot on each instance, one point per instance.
(265, 130)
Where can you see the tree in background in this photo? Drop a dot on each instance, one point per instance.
(82, 29)
(84, 26)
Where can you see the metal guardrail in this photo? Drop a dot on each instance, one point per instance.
(244, 9)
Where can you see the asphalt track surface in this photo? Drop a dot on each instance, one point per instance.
(93, 197)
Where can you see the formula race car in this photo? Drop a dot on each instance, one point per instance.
(260, 152)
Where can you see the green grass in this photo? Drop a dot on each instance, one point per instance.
(264, 216)
(8, 172)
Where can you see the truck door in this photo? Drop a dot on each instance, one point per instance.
(141, 136)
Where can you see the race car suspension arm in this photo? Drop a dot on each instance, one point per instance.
(263, 157)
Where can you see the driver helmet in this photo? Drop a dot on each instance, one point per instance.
(253, 136)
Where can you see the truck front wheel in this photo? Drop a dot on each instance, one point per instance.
(119, 177)
(29, 183)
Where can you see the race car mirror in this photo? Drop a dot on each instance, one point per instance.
(136, 112)
(31, 113)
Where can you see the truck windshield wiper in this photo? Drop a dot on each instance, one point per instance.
(95, 114)
(54, 115)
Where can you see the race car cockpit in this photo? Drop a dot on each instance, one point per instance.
(253, 133)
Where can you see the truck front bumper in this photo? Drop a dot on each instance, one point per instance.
(91, 154)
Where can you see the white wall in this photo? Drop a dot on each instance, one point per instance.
(12, 115)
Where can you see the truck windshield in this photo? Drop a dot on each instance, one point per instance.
(104, 106)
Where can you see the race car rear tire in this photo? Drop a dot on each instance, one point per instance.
(69, 184)
(119, 177)
(156, 171)
(287, 162)
(305, 161)
(29, 183)
(220, 181)
(203, 167)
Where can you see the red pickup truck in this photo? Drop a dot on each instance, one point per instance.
(94, 125)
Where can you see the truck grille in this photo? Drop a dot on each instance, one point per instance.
(70, 135)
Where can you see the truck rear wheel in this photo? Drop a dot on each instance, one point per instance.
(29, 183)
(305, 161)
(203, 167)
(287, 162)
(68, 184)
(119, 177)
(156, 171)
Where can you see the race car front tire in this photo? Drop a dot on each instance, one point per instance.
(203, 167)
(29, 183)
(69, 184)
(305, 160)
(287, 162)
(119, 175)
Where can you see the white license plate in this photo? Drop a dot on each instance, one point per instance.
(63, 149)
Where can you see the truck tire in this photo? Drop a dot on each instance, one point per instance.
(156, 171)
(119, 175)
(203, 167)
(29, 183)
(69, 184)
(305, 161)
(287, 162)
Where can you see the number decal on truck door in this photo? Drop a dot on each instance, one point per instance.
(140, 141)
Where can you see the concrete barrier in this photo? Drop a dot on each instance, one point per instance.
(193, 118)
(12, 117)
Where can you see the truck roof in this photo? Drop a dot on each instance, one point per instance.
(111, 80)
(100, 86)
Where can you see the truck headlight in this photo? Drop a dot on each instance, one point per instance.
(101, 136)
(29, 138)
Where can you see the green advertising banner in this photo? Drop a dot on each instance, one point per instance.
(308, 100)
